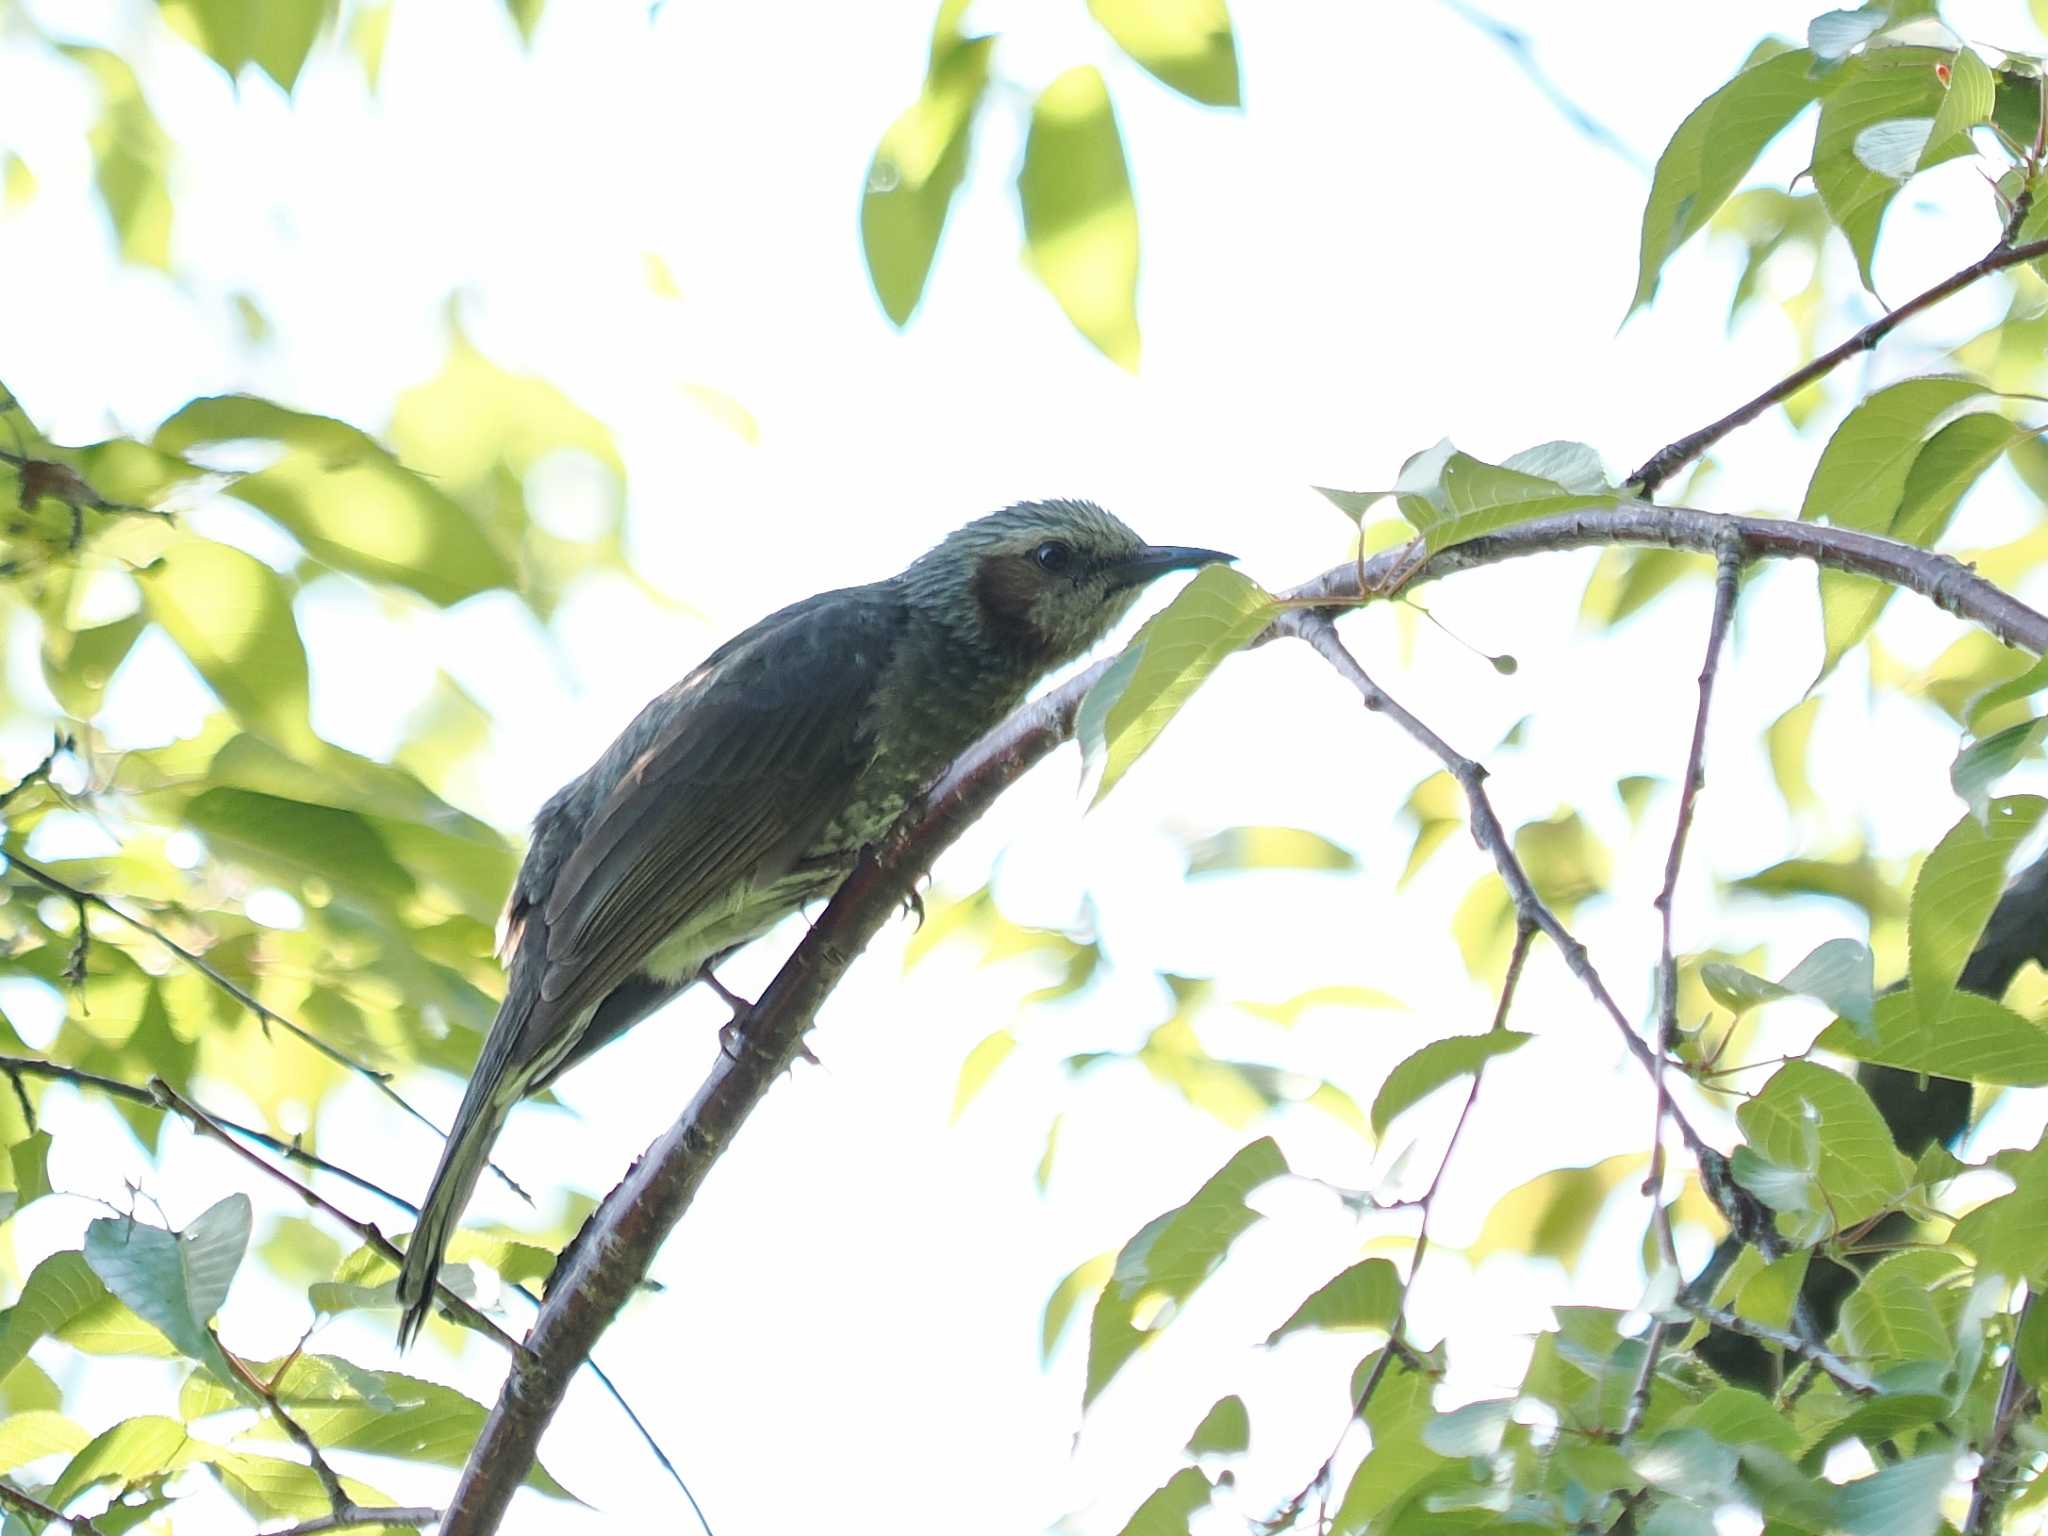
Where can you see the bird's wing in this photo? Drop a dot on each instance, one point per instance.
(760, 750)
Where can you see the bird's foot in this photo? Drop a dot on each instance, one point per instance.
(729, 1032)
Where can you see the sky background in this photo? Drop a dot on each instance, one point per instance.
(1398, 239)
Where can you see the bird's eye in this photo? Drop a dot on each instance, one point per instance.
(1053, 556)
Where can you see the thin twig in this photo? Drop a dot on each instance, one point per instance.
(28, 1504)
(355, 1517)
(1995, 1470)
(381, 1081)
(1843, 1374)
(1727, 574)
(338, 1501)
(1672, 457)
(1525, 934)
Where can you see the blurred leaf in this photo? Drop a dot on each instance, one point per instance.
(1436, 1064)
(1216, 614)
(1366, 1295)
(369, 26)
(1881, 85)
(1959, 883)
(1551, 1215)
(1186, 43)
(346, 498)
(1713, 150)
(175, 1281)
(131, 160)
(1626, 581)
(17, 182)
(1437, 808)
(1241, 848)
(1169, 1258)
(1080, 1282)
(918, 167)
(232, 617)
(1225, 1430)
(79, 663)
(1965, 1036)
(1857, 881)
(275, 35)
(1985, 708)
(1169, 1509)
(1080, 224)
(1839, 973)
(1787, 740)
(2031, 1347)
(1288, 1012)
(1565, 862)
(525, 16)
(979, 1067)
(2009, 1234)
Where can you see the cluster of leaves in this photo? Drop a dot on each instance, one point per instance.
(1074, 184)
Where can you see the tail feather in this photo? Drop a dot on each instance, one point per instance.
(477, 1125)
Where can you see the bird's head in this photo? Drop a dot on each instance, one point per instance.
(1044, 580)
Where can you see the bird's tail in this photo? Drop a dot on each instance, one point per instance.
(463, 1159)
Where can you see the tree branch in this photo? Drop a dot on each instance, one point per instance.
(1672, 457)
(1844, 1375)
(355, 1517)
(1996, 1471)
(624, 1233)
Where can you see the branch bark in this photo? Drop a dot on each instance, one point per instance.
(614, 1253)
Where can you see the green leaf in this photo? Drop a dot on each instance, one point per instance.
(131, 1452)
(1810, 1118)
(525, 16)
(1862, 473)
(1970, 97)
(1900, 1500)
(1080, 224)
(2009, 1234)
(1551, 1215)
(1288, 1012)
(1983, 763)
(1959, 883)
(79, 663)
(232, 617)
(1891, 1315)
(347, 499)
(979, 1067)
(1439, 1062)
(175, 1281)
(1834, 35)
(1170, 1508)
(30, 1436)
(131, 160)
(1942, 473)
(60, 1291)
(1838, 973)
(1985, 705)
(1169, 1258)
(1963, 1036)
(275, 35)
(1736, 1417)
(1713, 150)
(1225, 1430)
(1216, 614)
(2031, 1346)
(918, 167)
(1241, 848)
(1186, 43)
(1364, 1296)
(1450, 497)
(1881, 85)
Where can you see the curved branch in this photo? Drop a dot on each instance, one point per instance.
(609, 1260)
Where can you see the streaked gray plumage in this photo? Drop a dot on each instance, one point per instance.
(749, 788)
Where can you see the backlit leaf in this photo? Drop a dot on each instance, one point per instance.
(1186, 43)
(1959, 883)
(1439, 1062)
(175, 1281)
(1364, 1296)
(1963, 1036)
(1080, 224)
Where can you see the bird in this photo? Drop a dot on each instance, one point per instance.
(749, 788)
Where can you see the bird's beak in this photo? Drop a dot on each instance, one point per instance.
(1155, 560)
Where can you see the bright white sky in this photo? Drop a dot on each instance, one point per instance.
(1397, 240)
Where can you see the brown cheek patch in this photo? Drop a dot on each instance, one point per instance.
(1005, 587)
